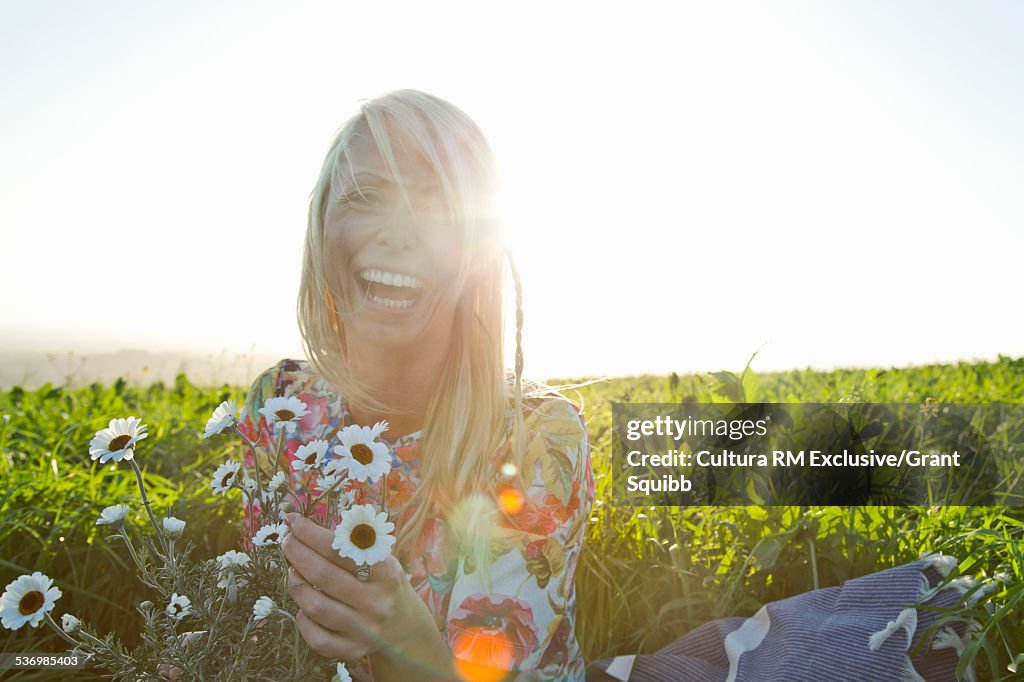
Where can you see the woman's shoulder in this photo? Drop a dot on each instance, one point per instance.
(548, 413)
(289, 376)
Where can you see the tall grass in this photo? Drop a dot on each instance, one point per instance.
(647, 574)
(650, 574)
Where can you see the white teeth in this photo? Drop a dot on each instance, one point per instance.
(391, 302)
(391, 278)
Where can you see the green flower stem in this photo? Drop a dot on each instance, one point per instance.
(180, 645)
(284, 578)
(147, 579)
(60, 631)
(241, 647)
(252, 519)
(312, 505)
(252, 450)
(145, 501)
(213, 625)
(279, 447)
(170, 561)
(299, 504)
(131, 550)
(295, 651)
(94, 641)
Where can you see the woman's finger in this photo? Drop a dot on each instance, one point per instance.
(319, 539)
(325, 610)
(328, 643)
(314, 568)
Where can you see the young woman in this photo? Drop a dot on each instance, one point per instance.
(400, 309)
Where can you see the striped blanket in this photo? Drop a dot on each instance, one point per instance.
(867, 630)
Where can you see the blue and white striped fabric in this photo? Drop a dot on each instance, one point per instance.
(868, 630)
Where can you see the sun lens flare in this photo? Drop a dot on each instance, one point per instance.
(482, 656)
(510, 500)
(490, 634)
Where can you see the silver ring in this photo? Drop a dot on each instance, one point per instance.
(363, 572)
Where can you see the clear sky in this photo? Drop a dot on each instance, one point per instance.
(834, 184)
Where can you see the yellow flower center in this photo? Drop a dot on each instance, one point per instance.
(284, 415)
(363, 536)
(362, 454)
(31, 602)
(118, 443)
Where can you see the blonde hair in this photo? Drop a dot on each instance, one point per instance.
(467, 418)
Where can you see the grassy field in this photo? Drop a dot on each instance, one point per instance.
(647, 574)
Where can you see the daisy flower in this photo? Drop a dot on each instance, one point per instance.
(27, 600)
(276, 482)
(173, 527)
(284, 413)
(117, 441)
(113, 516)
(324, 483)
(230, 562)
(364, 535)
(363, 457)
(223, 419)
(310, 456)
(270, 534)
(334, 466)
(249, 485)
(179, 607)
(263, 607)
(224, 476)
(342, 674)
(70, 624)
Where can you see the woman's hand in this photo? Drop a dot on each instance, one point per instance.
(343, 618)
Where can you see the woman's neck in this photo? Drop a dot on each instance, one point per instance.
(406, 381)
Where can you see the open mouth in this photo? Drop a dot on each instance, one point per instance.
(391, 289)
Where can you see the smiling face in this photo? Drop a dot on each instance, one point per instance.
(392, 249)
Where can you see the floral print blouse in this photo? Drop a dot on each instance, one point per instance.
(523, 619)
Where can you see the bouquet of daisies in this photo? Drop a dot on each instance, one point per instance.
(230, 617)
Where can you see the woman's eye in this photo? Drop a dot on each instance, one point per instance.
(365, 197)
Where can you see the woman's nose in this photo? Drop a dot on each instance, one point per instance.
(399, 232)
